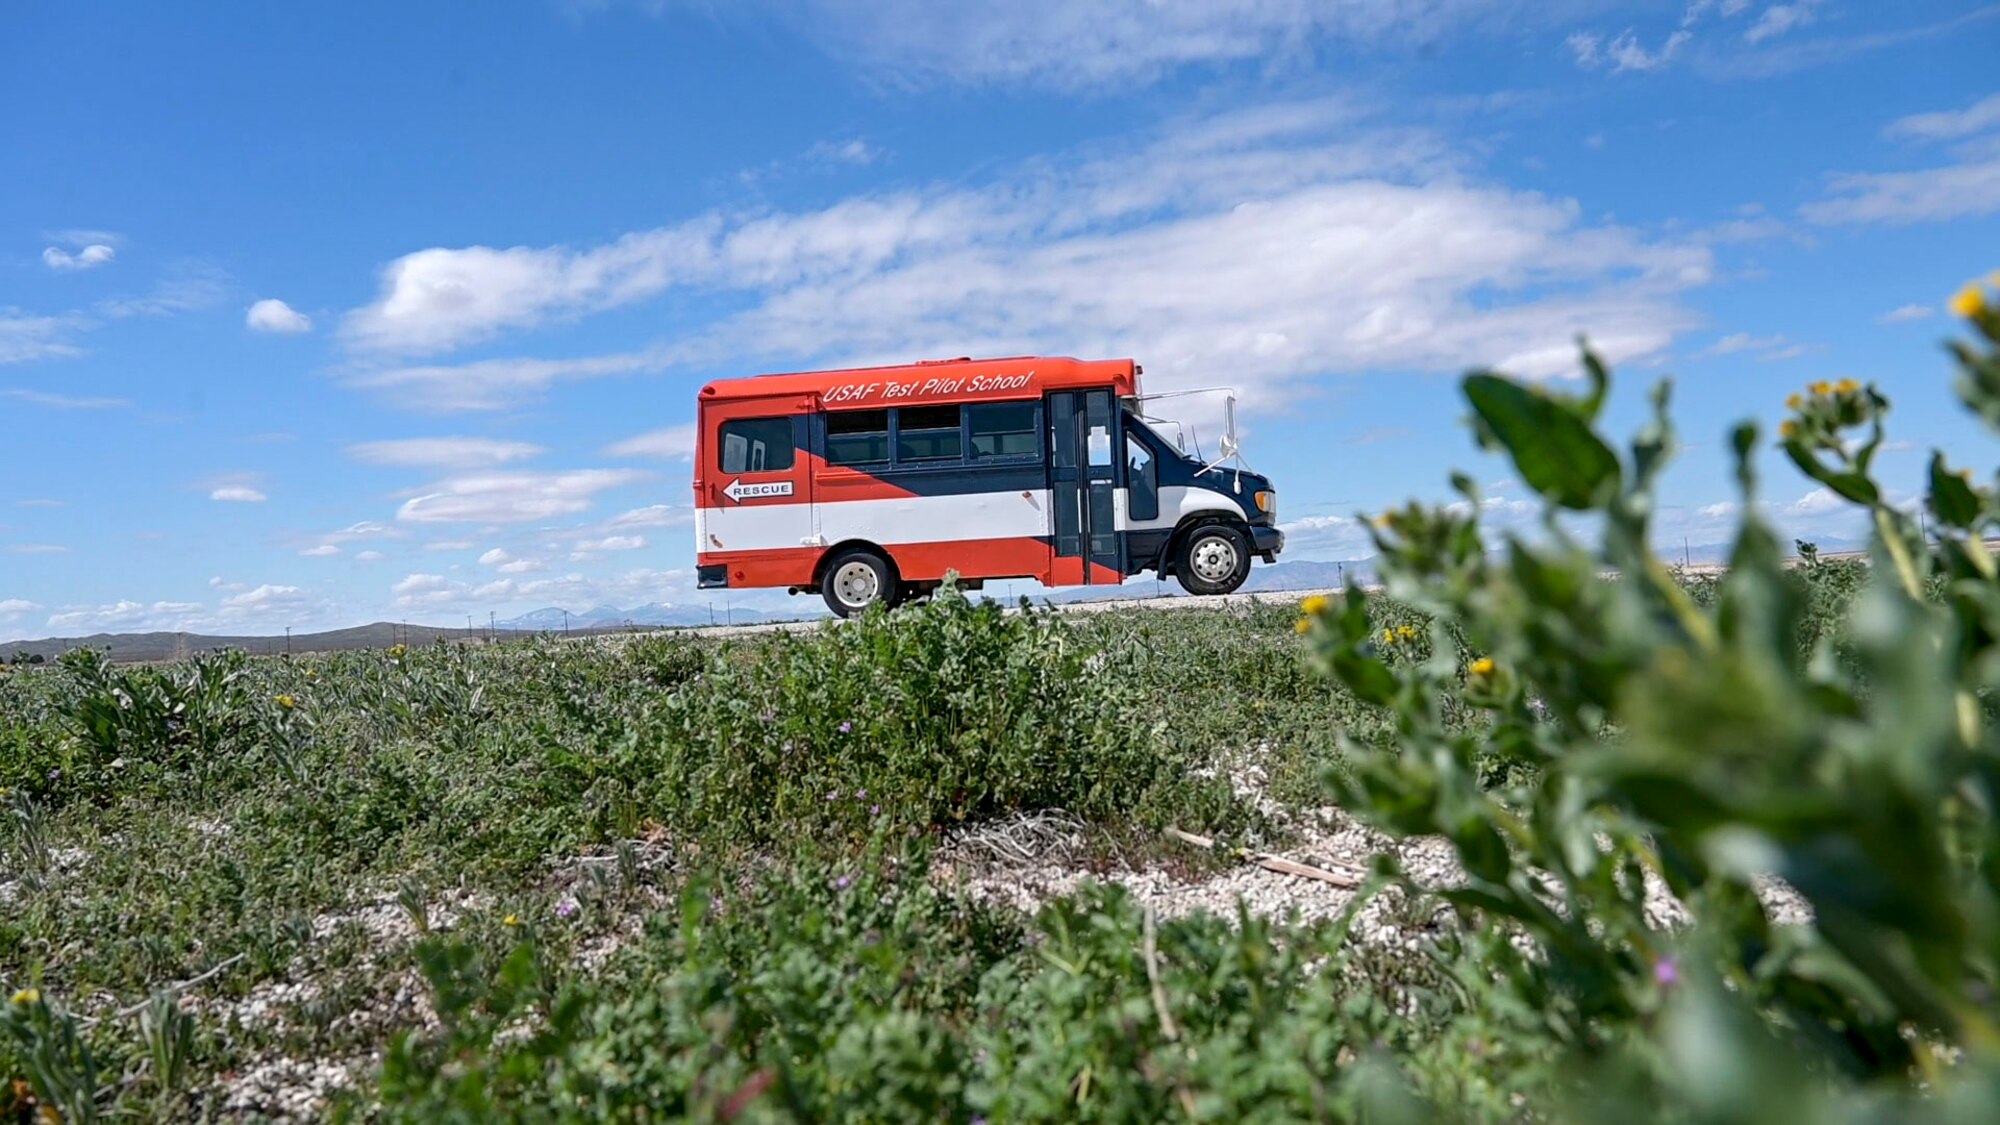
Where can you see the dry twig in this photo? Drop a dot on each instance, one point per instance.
(1279, 864)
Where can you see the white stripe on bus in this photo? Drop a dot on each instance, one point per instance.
(919, 519)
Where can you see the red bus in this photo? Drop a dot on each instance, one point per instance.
(869, 485)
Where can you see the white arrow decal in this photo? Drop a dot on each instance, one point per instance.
(737, 490)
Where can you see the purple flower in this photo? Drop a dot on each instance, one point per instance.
(770, 717)
(845, 726)
(1665, 971)
(565, 909)
(874, 810)
(840, 882)
(860, 794)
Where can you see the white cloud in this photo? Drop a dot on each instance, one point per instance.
(128, 616)
(1781, 18)
(33, 549)
(1817, 502)
(323, 551)
(653, 515)
(522, 566)
(513, 497)
(495, 557)
(63, 402)
(1279, 244)
(25, 338)
(368, 556)
(1074, 45)
(1946, 125)
(444, 452)
(495, 384)
(1957, 191)
(268, 599)
(273, 315)
(1907, 313)
(418, 590)
(192, 291)
(1624, 52)
(612, 543)
(673, 443)
(854, 152)
(96, 254)
(15, 607)
(1742, 341)
(238, 494)
(1968, 188)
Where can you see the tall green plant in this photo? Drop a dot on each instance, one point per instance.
(1694, 745)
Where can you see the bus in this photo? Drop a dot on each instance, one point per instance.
(871, 485)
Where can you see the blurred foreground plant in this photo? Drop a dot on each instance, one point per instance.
(1660, 745)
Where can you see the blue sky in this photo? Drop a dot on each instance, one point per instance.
(317, 315)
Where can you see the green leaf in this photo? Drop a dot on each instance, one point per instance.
(1552, 446)
(1952, 499)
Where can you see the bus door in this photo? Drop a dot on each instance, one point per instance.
(1083, 440)
(755, 486)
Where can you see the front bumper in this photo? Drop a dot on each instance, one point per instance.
(1266, 541)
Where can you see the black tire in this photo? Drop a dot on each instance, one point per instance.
(1214, 559)
(849, 591)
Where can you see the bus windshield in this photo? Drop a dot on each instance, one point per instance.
(1176, 446)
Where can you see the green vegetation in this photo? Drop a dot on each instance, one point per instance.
(673, 879)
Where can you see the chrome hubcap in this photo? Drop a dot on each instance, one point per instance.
(1214, 559)
(855, 584)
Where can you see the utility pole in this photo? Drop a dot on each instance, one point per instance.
(288, 640)
(565, 623)
(492, 632)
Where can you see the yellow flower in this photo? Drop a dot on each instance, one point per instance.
(1794, 402)
(1847, 386)
(1314, 604)
(287, 702)
(27, 996)
(1384, 520)
(510, 920)
(1820, 388)
(1482, 666)
(1969, 302)
(397, 652)
(1788, 428)
(1302, 626)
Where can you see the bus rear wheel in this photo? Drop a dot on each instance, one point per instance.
(1213, 560)
(858, 579)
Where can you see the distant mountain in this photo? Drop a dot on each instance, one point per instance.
(652, 615)
(172, 646)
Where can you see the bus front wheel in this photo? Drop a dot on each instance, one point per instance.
(1213, 560)
(856, 580)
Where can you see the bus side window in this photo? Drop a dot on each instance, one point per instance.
(857, 437)
(756, 445)
(1142, 497)
(1002, 430)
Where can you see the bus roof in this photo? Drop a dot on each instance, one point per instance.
(931, 381)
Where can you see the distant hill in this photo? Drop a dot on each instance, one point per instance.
(170, 646)
(653, 615)
(1295, 575)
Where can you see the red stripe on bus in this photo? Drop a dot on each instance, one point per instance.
(1013, 557)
